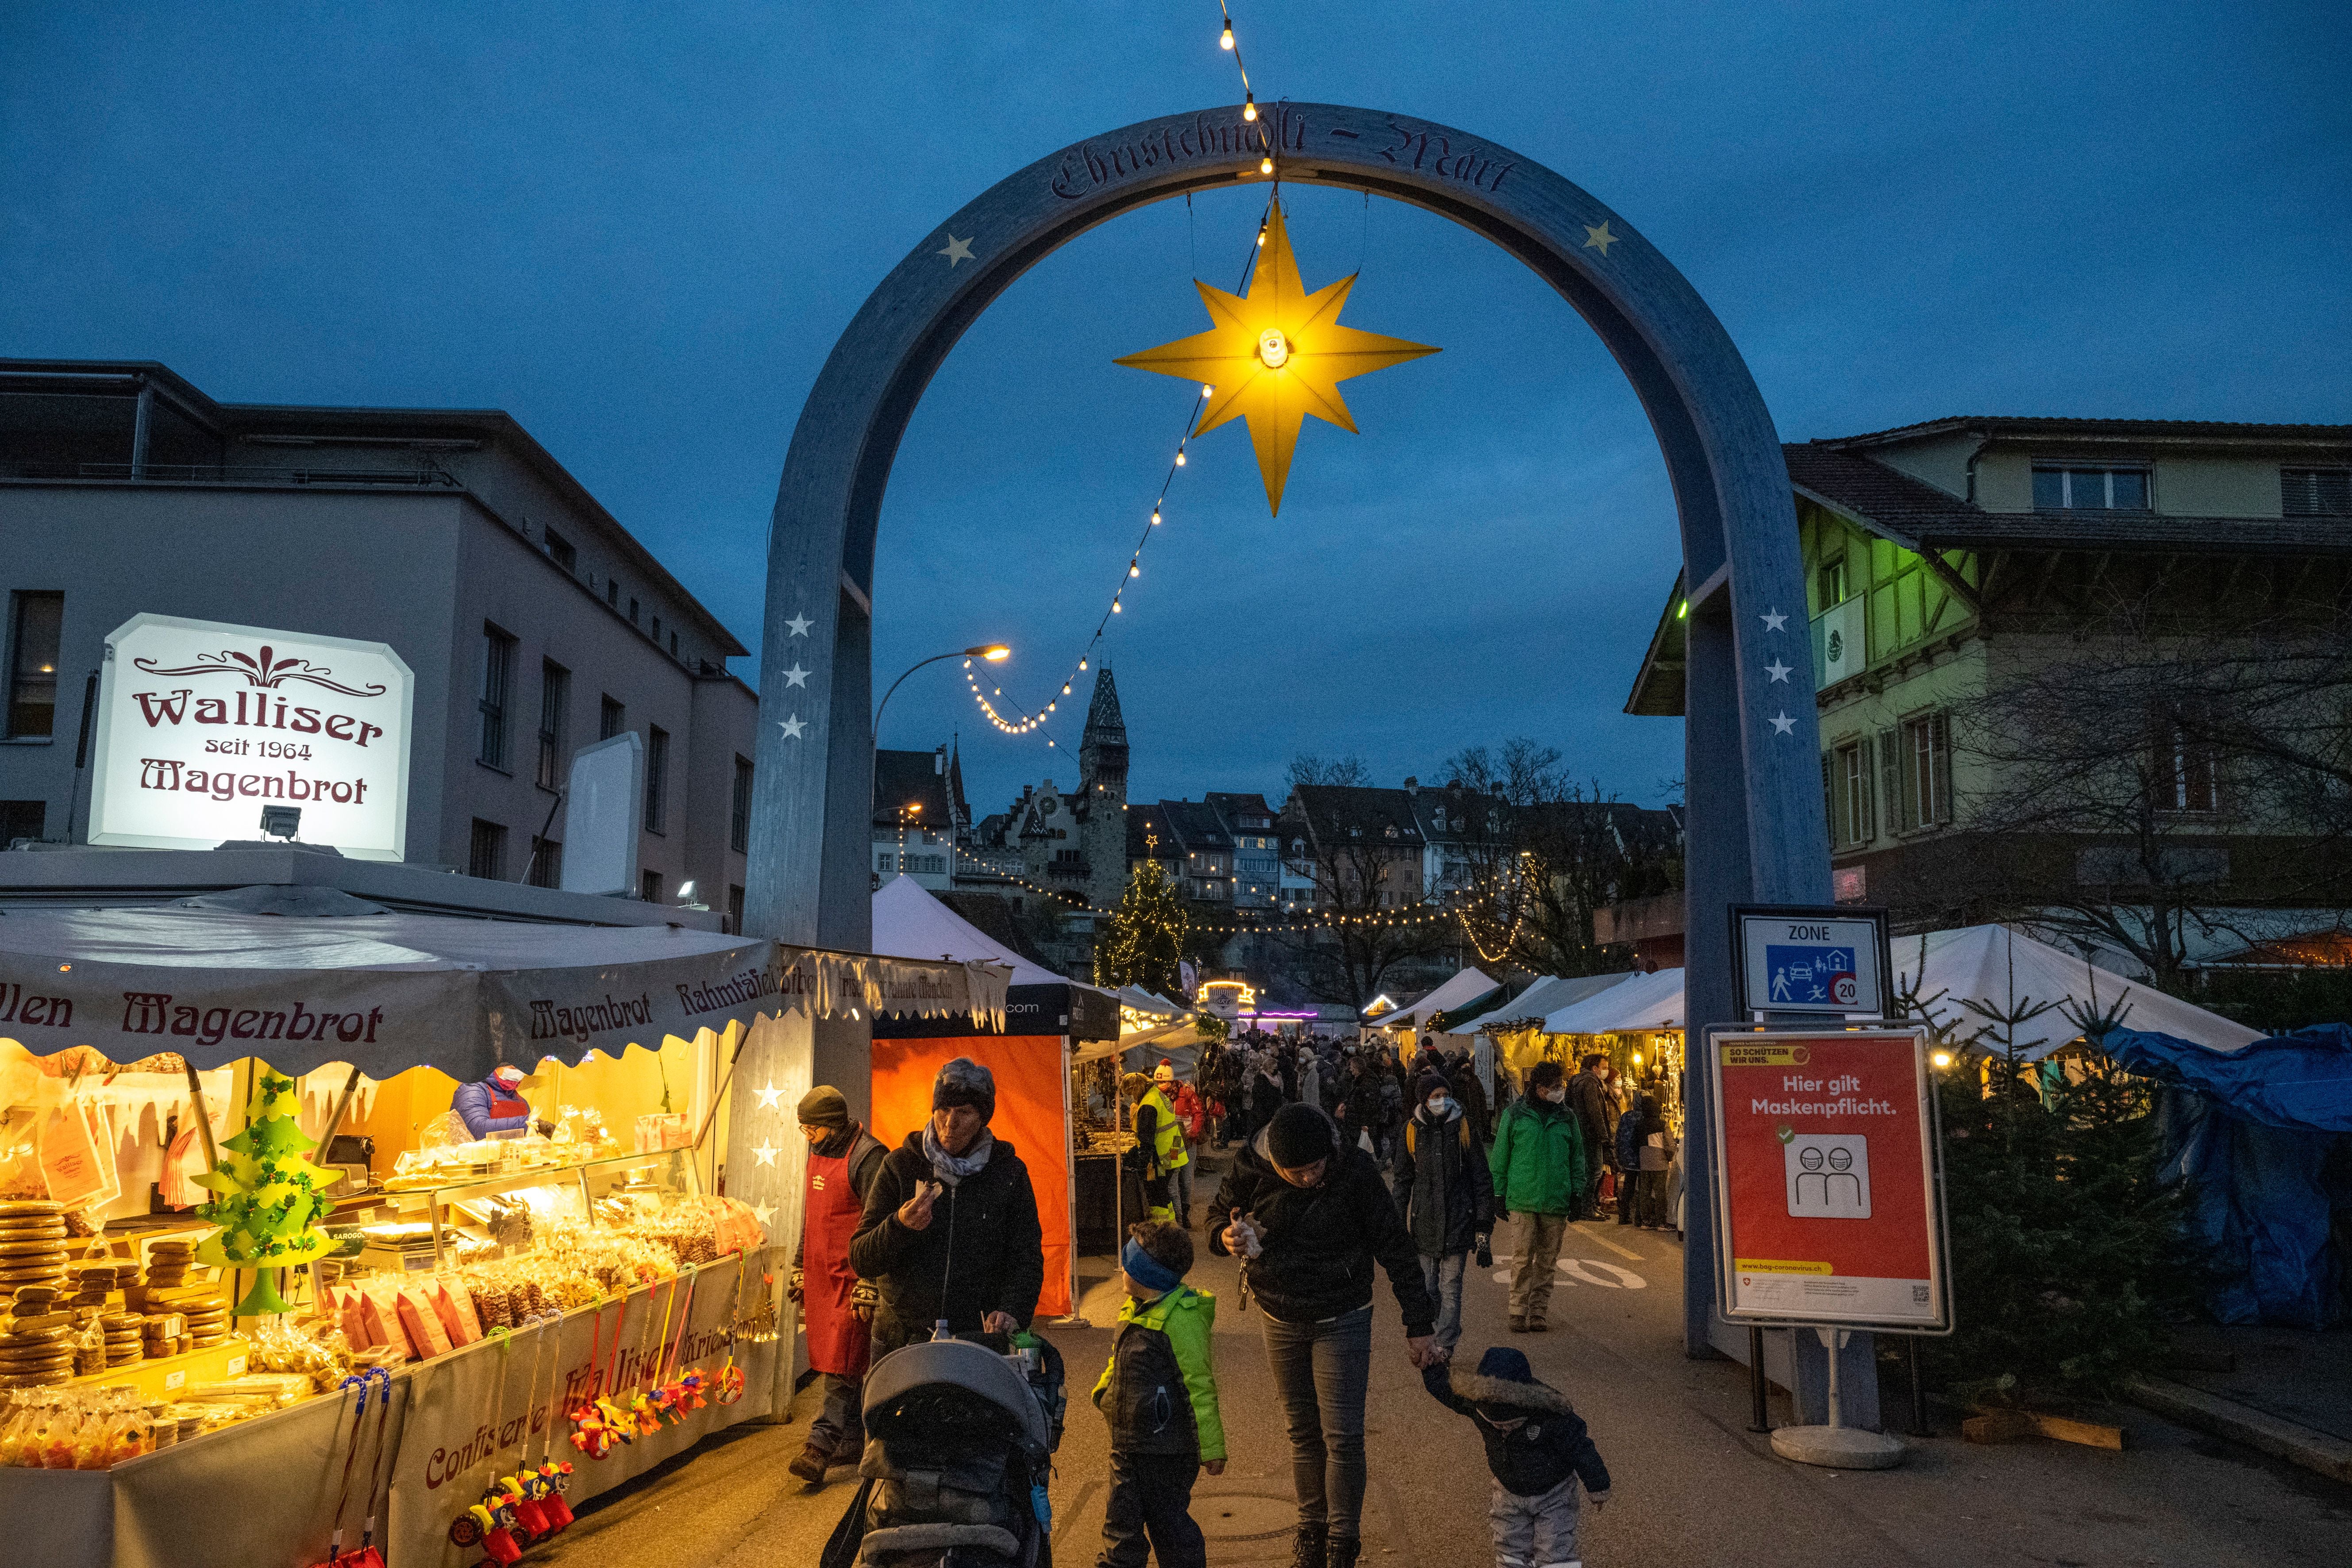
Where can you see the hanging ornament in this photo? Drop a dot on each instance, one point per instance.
(1276, 355)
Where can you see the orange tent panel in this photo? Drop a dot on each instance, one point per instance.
(1029, 1094)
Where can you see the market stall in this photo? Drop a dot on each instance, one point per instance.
(536, 1275)
(1028, 1050)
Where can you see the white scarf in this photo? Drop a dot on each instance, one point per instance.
(951, 1169)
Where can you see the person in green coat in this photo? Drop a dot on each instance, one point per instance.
(1539, 1164)
(1160, 1396)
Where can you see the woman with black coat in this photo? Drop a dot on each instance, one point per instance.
(1311, 1219)
(1449, 1197)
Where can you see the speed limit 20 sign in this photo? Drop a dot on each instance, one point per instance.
(1796, 960)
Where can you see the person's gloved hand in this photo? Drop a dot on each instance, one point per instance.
(796, 1288)
(863, 1300)
(543, 1127)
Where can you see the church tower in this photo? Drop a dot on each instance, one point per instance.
(1102, 780)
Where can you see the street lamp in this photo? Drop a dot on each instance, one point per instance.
(995, 653)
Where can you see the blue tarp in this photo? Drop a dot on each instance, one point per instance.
(2251, 1131)
(2301, 1082)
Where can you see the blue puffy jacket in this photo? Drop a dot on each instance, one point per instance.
(472, 1103)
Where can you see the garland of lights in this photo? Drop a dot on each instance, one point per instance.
(1078, 904)
(1023, 724)
(1520, 879)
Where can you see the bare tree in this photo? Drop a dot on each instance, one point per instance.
(1546, 852)
(2140, 783)
(1309, 769)
(1358, 846)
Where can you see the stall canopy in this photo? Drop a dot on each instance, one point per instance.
(910, 922)
(384, 991)
(2000, 991)
(1539, 1001)
(1635, 1002)
(1467, 987)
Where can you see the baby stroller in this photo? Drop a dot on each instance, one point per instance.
(959, 1442)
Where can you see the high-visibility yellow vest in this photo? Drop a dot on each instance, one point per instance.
(1168, 1150)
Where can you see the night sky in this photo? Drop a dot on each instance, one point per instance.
(640, 230)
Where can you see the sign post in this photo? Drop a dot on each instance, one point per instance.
(1829, 1199)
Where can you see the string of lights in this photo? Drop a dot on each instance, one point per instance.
(1028, 721)
(981, 866)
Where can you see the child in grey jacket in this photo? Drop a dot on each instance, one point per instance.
(1539, 1451)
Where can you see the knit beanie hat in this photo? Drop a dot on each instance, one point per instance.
(964, 1081)
(1299, 1135)
(1430, 1082)
(824, 1107)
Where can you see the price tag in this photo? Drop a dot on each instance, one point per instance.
(175, 1379)
(236, 1366)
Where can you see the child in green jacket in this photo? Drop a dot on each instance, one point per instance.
(1160, 1399)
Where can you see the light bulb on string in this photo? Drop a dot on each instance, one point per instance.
(1114, 606)
(1133, 570)
(1226, 38)
(1249, 106)
(1179, 457)
(1155, 516)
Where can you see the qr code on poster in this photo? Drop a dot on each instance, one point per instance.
(1918, 1295)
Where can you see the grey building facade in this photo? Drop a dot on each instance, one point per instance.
(534, 622)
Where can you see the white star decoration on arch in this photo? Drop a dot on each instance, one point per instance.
(1778, 670)
(766, 1152)
(792, 727)
(1782, 724)
(1774, 620)
(795, 676)
(798, 626)
(955, 250)
(769, 1096)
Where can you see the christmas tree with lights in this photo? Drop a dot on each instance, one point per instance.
(1143, 942)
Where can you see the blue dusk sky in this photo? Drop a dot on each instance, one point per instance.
(640, 229)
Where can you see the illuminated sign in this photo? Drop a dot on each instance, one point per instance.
(200, 725)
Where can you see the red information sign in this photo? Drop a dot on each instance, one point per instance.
(1828, 1205)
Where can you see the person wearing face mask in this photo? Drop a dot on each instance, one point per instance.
(1308, 1213)
(1539, 1163)
(1449, 1197)
(844, 1159)
(950, 1226)
(496, 1105)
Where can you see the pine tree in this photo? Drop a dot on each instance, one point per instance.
(269, 1199)
(1143, 941)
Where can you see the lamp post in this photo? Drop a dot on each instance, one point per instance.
(995, 653)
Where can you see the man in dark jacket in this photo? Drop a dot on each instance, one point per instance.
(1449, 1197)
(1593, 1097)
(951, 1228)
(1536, 1450)
(1308, 1213)
(1471, 1095)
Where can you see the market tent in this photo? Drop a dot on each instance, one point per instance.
(1637, 1002)
(1540, 1000)
(386, 992)
(1180, 1042)
(1028, 1058)
(1143, 1001)
(2003, 992)
(1467, 987)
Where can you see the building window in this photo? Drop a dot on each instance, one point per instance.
(1851, 818)
(739, 818)
(1833, 583)
(656, 630)
(2089, 490)
(22, 819)
(554, 697)
(611, 719)
(2315, 492)
(546, 863)
(36, 623)
(657, 776)
(649, 887)
(486, 856)
(1925, 772)
(559, 550)
(734, 911)
(2188, 775)
(498, 683)
(613, 592)
(633, 610)
(673, 644)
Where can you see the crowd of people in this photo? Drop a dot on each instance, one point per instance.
(1349, 1163)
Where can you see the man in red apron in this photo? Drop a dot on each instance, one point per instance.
(843, 1160)
(496, 1105)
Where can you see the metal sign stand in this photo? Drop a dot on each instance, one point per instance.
(1838, 1446)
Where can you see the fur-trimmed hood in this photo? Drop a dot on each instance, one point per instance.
(1538, 1397)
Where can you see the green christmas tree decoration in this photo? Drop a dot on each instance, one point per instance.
(268, 1204)
(1144, 943)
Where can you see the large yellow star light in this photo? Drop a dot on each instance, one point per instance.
(1276, 356)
